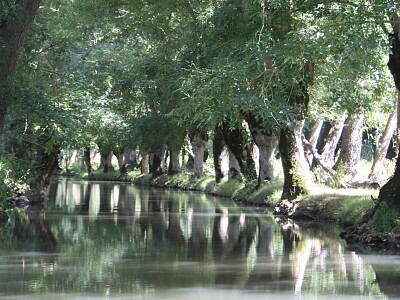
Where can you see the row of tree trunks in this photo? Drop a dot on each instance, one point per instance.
(12, 36)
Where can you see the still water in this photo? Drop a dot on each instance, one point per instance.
(117, 241)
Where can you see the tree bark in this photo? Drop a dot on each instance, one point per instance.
(121, 161)
(297, 179)
(130, 158)
(267, 144)
(330, 136)
(236, 143)
(295, 169)
(233, 166)
(106, 158)
(383, 145)
(13, 30)
(174, 166)
(157, 168)
(144, 165)
(390, 192)
(350, 152)
(218, 147)
(86, 157)
(198, 143)
(312, 137)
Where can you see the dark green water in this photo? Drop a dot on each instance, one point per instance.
(117, 241)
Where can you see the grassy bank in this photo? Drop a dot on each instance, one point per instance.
(337, 205)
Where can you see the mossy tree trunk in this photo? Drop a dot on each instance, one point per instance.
(297, 179)
(295, 169)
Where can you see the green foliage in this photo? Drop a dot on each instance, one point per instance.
(14, 176)
(385, 218)
(153, 131)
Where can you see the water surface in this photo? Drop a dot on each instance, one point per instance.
(117, 241)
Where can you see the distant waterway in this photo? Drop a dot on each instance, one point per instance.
(107, 240)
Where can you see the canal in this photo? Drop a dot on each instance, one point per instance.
(103, 240)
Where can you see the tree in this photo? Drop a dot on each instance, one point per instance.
(15, 20)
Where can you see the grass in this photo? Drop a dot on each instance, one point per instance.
(343, 206)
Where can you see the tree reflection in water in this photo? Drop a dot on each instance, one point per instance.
(118, 239)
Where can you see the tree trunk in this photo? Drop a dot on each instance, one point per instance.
(383, 145)
(312, 137)
(13, 31)
(121, 161)
(236, 143)
(157, 168)
(234, 167)
(106, 158)
(174, 166)
(330, 136)
(198, 143)
(295, 169)
(218, 147)
(86, 157)
(350, 152)
(267, 144)
(390, 192)
(130, 158)
(144, 165)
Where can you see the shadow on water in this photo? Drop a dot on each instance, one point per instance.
(114, 240)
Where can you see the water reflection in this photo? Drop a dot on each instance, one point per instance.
(114, 240)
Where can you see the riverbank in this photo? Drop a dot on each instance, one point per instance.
(343, 206)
